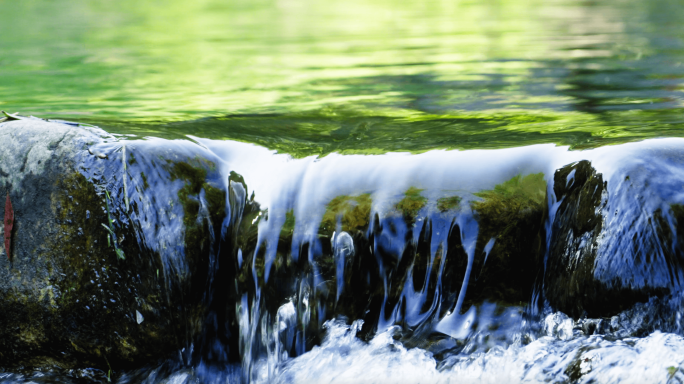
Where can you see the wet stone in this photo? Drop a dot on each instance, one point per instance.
(132, 257)
(84, 272)
(615, 242)
(569, 284)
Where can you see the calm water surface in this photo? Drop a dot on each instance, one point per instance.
(306, 77)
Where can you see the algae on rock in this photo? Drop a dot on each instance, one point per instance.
(68, 299)
(512, 216)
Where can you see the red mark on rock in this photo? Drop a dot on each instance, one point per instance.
(9, 223)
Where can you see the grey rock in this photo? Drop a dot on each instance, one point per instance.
(66, 298)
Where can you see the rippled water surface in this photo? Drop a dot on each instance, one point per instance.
(306, 77)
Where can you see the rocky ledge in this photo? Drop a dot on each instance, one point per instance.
(124, 253)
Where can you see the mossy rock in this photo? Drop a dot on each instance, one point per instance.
(352, 212)
(512, 216)
(446, 204)
(411, 204)
(67, 299)
(613, 248)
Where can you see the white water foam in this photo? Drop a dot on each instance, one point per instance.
(553, 358)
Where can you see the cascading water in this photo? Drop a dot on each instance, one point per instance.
(444, 266)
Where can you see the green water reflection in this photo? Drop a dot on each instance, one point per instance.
(355, 76)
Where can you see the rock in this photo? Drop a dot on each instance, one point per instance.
(569, 284)
(126, 252)
(511, 241)
(85, 271)
(615, 241)
(395, 258)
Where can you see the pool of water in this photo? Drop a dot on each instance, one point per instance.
(307, 78)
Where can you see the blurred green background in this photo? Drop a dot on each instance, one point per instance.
(355, 76)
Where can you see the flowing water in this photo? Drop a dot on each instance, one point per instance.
(399, 177)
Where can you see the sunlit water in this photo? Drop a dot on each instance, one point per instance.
(336, 96)
(355, 76)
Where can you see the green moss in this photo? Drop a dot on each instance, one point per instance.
(512, 214)
(216, 200)
(445, 204)
(72, 301)
(146, 185)
(671, 371)
(502, 205)
(289, 225)
(193, 175)
(80, 196)
(87, 258)
(352, 211)
(500, 208)
(88, 275)
(412, 202)
(519, 190)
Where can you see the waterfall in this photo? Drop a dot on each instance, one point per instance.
(422, 267)
(457, 259)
